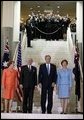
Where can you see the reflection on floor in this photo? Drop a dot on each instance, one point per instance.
(71, 111)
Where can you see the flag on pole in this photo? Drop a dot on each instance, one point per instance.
(76, 71)
(19, 56)
(6, 55)
(19, 63)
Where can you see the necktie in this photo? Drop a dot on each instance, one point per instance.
(48, 69)
(29, 67)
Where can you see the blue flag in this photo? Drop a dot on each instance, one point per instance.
(6, 55)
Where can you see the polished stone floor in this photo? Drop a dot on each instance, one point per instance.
(36, 114)
(39, 116)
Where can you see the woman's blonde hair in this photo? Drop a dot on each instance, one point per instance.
(10, 62)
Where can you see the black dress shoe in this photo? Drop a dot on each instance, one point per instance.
(62, 113)
(43, 112)
(24, 111)
(29, 46)
(30, 112)
(49, 112)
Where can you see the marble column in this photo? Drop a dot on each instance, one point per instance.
(79, 29)
(10, 25)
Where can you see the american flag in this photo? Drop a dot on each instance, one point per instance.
(19, 63)
(19, 56)
(6, 55)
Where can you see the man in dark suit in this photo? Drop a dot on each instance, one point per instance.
(28, 27)
(47, 80)
(28, 81)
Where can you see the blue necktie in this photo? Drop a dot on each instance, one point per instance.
(48, 69)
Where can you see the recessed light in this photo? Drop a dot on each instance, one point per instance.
(38, 6)
(57, 11)
(31, 8)
(58, 6)
(29, 15)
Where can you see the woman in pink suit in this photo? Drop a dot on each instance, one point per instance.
(9, 83)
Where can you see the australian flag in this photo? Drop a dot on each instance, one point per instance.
(6, 55)
(76, 71)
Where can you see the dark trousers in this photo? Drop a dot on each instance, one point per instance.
(46, 94)
(28, 41)
(28, 99)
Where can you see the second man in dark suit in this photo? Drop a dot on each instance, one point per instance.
(28, 82)
(47, 80)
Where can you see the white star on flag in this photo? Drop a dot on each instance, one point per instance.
(5, 64)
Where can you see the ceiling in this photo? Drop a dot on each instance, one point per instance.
(59, 7)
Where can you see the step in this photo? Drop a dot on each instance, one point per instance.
(40, 116)
(57, 49)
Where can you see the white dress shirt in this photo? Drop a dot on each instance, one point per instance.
(29, 66)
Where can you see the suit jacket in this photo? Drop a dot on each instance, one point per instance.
(45, 79)
(28, 78)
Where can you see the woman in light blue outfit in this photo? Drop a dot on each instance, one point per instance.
(64, 84)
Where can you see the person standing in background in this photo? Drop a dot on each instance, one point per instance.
(29, 32)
